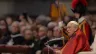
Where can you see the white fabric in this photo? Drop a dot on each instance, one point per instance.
(87, 53)
(10, 42)
(38, 52)
(81, 19)
(13, 36)
(94, 44)
(61, 24)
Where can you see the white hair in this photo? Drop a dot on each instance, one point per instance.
(15, 23)
(76, 24)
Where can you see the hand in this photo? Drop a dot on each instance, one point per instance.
(38, 52)
(57, 52)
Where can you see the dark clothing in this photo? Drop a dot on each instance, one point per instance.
(17, 39)
(40, 44)
(56, 42)
(6, 34)
(28, 42)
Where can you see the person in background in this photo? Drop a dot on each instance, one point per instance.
(22, 24)
(40, 44)
(57, 10)
(79, 8)
(50, 34)
(24, 19)
(58, 40)
(57, 32)
(22, 28)
(1, 36)
(52, 24)
(66, 20)
(77, 42)
(28, 37)
(35, 34)
(15, 38)
(4, 27)
(9, 21)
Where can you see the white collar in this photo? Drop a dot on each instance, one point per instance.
(42, 37)
(13, 36)
(81, 19)
(61, 38)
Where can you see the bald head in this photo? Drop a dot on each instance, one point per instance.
(72, 26)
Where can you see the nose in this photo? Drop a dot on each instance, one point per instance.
(67, 29)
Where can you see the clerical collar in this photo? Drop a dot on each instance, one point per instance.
(42, 37)
(81, 19)
(13, 36)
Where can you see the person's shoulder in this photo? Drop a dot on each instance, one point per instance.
(79, 33)
(19, 38)
(45, 38)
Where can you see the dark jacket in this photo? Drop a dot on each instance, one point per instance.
(56, 42)
(17, 39)
(40, 44)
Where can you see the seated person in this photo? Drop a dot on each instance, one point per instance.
(1, 36)
(55, 43)
(50, 34)
(4, 28)
(40, 44)
(77, 42)
(58, 40)
(15, 38)
(28, 38)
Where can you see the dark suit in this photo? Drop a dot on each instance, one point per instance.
(17, 39)
(40, 44)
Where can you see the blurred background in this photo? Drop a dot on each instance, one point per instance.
(36, 7)
(32, 23)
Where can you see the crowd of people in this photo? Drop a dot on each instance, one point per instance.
(30, 32)
(35, 33)
(67, 35)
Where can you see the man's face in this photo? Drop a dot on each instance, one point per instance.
(14, 28)
(21, 17)
(2, 25)
(70, 29)
(28, 34)
(9, 20)
(66, 19)
(41, 32)
(56, 33)
(77, 15)
(49, 33)
(22, 30)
